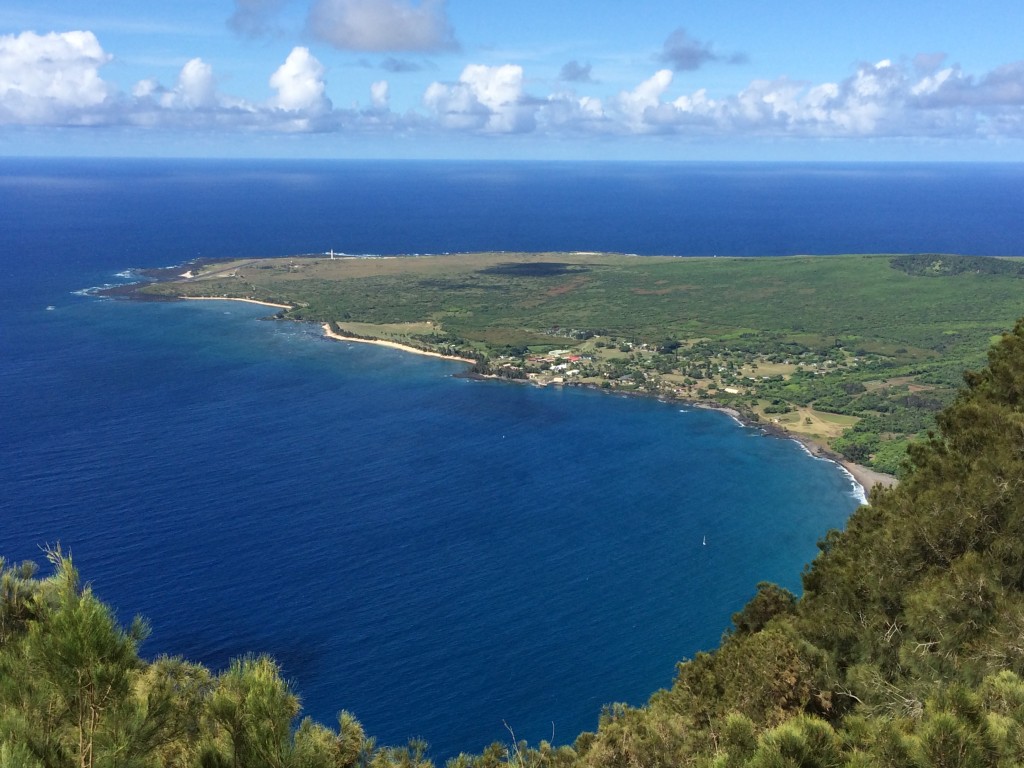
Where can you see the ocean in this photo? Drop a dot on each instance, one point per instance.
(443, 557)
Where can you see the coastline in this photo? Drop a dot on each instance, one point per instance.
(231, 298)
(863, 477)
(868, 478)
(328, 333)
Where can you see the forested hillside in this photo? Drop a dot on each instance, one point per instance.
(906, 649)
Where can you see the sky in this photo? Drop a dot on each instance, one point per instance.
(875, 80)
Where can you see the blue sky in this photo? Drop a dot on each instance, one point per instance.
(604, 79)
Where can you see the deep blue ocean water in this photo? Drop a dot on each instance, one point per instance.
(438, 555)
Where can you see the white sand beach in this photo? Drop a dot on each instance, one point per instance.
(393, 345)
(229, 298)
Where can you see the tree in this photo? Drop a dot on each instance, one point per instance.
(18, 594)
(770, 601)
(252, 709)
(75, 696)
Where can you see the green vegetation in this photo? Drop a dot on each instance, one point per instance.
(795, 341)
(906, 649)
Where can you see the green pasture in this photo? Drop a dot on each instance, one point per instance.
(501, 298)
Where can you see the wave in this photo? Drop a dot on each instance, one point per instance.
(808, 451)
(857, 491)
(128, 277)
(92, 290)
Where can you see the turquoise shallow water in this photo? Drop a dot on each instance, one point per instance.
(438, 555)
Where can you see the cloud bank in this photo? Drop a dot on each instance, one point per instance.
(56, 80)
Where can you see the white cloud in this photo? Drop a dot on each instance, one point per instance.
(382, 25)
(379, 94)
(146, 89)
(299, 83)
(194, 103)
(52, 78)
(455, 106)
(566, 112)
(1002, 87)
(878, 100)
(634, 105)
(485, 98)
(196, 88)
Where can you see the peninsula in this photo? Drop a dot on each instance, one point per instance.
(852, 354)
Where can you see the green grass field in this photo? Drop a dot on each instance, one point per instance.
(520, 298)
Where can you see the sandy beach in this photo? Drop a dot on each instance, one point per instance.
(865, 477)
(393, 345)
(229, 298)
(331, 335)
(868, 478)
